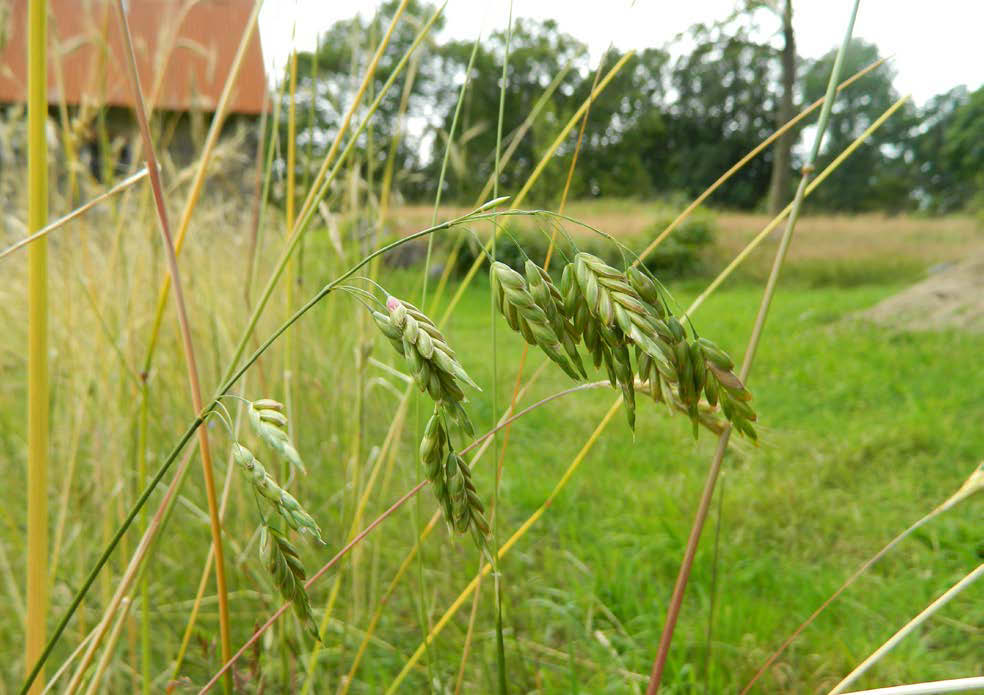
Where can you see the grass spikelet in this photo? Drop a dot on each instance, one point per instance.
(467, 510)
(526, 317)
(451, 481)
(281, 559)
(722, 385)
(285, 503)
(266, 417)
(432, 362)
(548, 297)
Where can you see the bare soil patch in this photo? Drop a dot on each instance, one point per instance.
(952, 297)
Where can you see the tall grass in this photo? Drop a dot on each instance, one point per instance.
(37, 343)
(344, 413)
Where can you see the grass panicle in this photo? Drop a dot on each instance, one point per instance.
(451, 481)
(267, 488)
(267, 418)
(281, 559)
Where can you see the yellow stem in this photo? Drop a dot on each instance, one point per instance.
(520, 532)
(37, 344)
(534, 177)
(821, 177)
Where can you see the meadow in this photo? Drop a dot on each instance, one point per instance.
(164, 539)
(862, 431)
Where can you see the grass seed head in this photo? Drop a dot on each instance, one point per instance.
(432, 362)
(523, 314)
(281, 500)
(283, 563)
(267, 419)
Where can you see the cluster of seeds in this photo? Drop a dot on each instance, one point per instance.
(281, 500)
(281, 560)
(436, 371)
(526, 316)
(279, 556)
(451, 481)
(608, 311)
(432, 362)
(266, 417)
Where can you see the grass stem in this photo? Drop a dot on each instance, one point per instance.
(686, 565)
(37, 341)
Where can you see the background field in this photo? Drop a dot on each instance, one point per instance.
(863, 430)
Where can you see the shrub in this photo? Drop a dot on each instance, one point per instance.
(680, 254)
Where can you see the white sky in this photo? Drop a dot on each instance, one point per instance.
(935, 45)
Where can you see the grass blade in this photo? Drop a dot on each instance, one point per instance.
(705, 502)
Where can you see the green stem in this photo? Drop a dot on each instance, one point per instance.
(703, 507)
(478, 214)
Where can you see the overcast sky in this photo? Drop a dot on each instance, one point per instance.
(936, 45)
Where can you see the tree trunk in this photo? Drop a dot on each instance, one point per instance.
(779, 184)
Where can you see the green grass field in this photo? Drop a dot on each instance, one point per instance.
(862, 432)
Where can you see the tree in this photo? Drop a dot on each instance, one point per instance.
(779, 183)
(725, 105)
(879, 174)
(963, 153)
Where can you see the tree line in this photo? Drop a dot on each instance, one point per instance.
(670, 122)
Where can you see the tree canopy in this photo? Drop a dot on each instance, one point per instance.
(671, 121)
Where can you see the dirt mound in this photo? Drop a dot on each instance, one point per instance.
(952, 297)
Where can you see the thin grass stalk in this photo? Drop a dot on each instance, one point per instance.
(291, 271)
(210, 558)
(519, 533)
(466, 649)
(227, 384)
(778, 219)
(142, 435)
(211, 140)
(114, 636)
(497, 577)
(189, 351)
(534, 177)
(259, 177)
(679, 589)
(77, 212)
(749, 157)
(386, 184)
(37, 340)
(708, 636)
(263, 198)
(908, 629)
(207, 569)
(956, 685)
(68, 662)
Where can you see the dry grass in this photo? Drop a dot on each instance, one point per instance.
(909, 243)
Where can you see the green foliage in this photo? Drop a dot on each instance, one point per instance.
(679, 255)
(672, 119)
(878, 175)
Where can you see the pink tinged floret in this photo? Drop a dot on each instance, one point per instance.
(392, 303)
